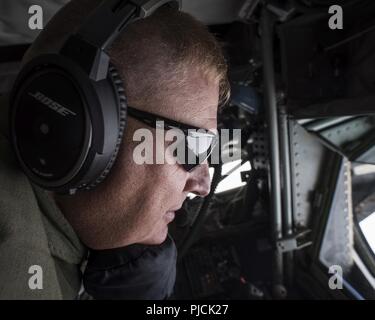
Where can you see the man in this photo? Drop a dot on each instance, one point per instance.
(171, 66)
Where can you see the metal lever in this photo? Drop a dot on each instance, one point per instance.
(294, 242)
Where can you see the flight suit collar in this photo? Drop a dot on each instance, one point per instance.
(63, 241)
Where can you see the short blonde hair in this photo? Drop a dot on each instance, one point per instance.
(166, 46)
(152, 55)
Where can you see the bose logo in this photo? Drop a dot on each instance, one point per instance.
(52, 104)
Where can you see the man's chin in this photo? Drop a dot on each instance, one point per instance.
(158, 237)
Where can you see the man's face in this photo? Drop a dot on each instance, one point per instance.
(140, 200)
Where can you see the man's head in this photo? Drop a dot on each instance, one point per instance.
(171, 66)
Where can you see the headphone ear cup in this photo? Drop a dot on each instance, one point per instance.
(118, 86)
(66, 140)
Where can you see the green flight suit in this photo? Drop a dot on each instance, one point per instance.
(33, 231)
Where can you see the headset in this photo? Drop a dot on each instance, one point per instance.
(68, 110)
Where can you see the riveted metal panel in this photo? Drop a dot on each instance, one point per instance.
(307, 160)
(344, 133)
(337, 245)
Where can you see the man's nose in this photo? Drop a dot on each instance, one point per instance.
(199, 181)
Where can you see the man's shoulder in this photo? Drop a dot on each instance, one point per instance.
(16, 194)
(23, 242)
(24, 236)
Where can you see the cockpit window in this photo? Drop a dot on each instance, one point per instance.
(364, 201)
(368, 229)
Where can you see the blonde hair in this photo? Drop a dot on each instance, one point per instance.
(168, 45)
(153, 55)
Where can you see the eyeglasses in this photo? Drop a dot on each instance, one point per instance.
(198, 142)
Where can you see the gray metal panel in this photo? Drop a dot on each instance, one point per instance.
(349, 131)
(285, 173)
(14, 15)
(307, 160)
(367, 157)
(260, 146)
(337, 245)
(213, 11)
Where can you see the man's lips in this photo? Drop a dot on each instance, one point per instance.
(170, 216)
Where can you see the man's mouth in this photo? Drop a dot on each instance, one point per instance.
(170, 214)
